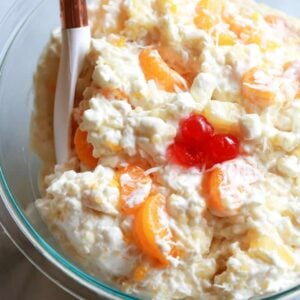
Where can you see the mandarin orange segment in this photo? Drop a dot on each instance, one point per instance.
(110, 93)
(150, 226)
(226, 186)
(139, 162)
(154, 68)
(189, 77)
(128, 237)
(237, 28)
(83, 149)
(134, 188)
(242, 28)
(254, 91)
(211, 190)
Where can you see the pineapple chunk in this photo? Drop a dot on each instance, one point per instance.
(167, 5)
(251, 126)
(113, 146)
(258, 91)
(214, 6)
(265, 45)
(289, 166)
(224, 116)
(226, 39)
(119, 42)
(285, 140)
(204, 20)
(256, 17)
(265, 248)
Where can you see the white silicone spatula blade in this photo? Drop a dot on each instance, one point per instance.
(75, 45)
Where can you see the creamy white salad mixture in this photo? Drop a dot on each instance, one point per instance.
(152, 201)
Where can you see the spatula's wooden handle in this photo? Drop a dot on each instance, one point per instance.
(73, 13)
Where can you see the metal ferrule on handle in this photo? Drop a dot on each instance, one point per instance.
(73, 13)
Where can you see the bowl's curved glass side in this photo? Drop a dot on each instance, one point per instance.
(18, 165)
(23, 243)
(11, 21)
(289, 294)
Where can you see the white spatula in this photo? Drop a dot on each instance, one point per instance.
(75, 45)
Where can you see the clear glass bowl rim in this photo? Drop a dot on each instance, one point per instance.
(19, 217)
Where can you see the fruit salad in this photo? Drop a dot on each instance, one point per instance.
(184, 177)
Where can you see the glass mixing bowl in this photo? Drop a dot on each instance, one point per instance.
(24, 32)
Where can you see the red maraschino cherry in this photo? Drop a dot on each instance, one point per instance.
(222, 147)
(196, 145)
(186, 156)
(195, 130)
